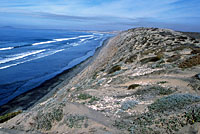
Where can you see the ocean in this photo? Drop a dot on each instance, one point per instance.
(29, 57)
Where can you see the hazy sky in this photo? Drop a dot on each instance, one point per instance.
(101, 14)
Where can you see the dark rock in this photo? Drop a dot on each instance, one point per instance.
(196, 41)
(197, 76)
(182, 38)
(133, 86)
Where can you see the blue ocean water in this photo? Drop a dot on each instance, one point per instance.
(29, 57)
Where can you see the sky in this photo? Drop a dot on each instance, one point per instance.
(182, 15)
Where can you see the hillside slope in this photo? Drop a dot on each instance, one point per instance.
(144, 80)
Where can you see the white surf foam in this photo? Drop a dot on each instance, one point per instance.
(46, 42)
(20, 56)
(62, 39)
(6, 48)
(73, 38)
(82, 36)
(4, 67)
(75, 44)
(57, 51)
(65, 39)
(82, 40)
(41, 56)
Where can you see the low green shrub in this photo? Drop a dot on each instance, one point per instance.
(93, 99)
(193, 115)
(128, 104)
(84, 96)
(164, 91)
(173, 102)
(44, 120)
(161, 82)
(76, 121)
(154, 90)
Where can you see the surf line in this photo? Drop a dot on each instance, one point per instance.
(61, 39)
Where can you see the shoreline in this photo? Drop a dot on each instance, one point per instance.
(48, 88)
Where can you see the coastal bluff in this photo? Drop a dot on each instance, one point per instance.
(142, 81)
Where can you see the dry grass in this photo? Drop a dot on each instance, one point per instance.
(8, 116)
(192, 61)
(195, 51)
(173, 58)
